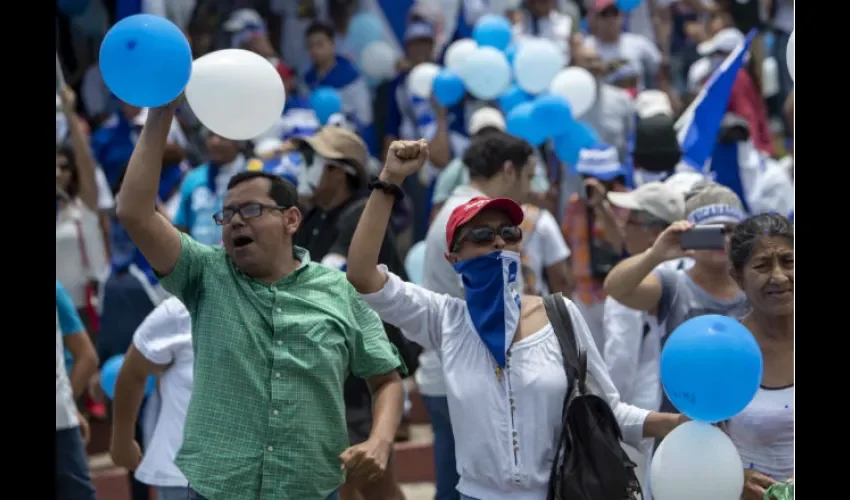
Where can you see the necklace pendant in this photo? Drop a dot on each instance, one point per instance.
(499, 373)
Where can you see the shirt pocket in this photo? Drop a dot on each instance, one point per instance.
(322, 343)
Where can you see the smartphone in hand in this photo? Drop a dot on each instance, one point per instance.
(707, 237)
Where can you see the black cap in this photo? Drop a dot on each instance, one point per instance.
(656, 146)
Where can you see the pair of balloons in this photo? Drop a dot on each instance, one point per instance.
(711, 368)
(146, 61)
(109, 376)
(480, 63)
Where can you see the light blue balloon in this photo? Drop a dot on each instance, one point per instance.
(492, 31)
(448, 88)
(627, 5)
(520, 124)
(362, 30)
(486, 73)
(510, 53)
(145, 60)
(567, 146)
(513, 98)
(711, 368)
(325, 101)
(555, 112)
(109, 376)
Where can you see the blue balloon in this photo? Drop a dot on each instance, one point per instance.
(448, 88)
(567, 146)
(109, 376)
(627, 5)
(363, 30)
(711, 368)
(555, 112)
(513, 98)
(492, 31)
(72, 8)
(520, 124)
(325, 101)
(510, 53)
(145, 60)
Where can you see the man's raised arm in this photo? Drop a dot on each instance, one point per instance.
(153, 234)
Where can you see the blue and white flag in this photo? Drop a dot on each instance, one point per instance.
(699, 124)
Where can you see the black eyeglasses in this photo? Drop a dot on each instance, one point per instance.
(246, 211)
(487, 234)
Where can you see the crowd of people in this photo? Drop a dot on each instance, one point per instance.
(279, 290)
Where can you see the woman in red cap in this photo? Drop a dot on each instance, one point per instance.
(501, 359)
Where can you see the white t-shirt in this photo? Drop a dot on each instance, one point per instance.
(764, 433)
(70, 271)
(165, 338)
(544, 246)
(638, 50)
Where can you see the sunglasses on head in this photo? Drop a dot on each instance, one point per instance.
(609, 12)
(487, 234)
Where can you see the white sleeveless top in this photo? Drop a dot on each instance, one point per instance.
(764, 433)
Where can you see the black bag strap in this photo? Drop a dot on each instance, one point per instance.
(575, 359)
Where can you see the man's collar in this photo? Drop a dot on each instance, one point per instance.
(302, 255)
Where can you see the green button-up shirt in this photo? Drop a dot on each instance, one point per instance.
(267, 418)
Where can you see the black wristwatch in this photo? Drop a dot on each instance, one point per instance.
(387, 188)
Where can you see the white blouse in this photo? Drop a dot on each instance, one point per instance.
(505, 430)
(70, 271)
(165, 338)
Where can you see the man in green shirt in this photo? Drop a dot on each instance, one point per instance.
(274, 336)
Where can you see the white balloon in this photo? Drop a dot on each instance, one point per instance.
(577, 86)
(421, 79)
(458, 52)
(487, 73)
(696, 461)
(536, 63)
(789, 54)
(378, 60)
(235, 93)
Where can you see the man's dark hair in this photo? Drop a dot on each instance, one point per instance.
(281, 191)
(487, 154)
(320, 27)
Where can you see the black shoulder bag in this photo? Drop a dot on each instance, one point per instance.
(589, 462)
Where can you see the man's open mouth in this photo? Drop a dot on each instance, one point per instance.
(241, 241)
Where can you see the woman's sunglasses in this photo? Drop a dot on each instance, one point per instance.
(486, 234)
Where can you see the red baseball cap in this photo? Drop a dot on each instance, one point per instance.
(464, 213)
(600, 5)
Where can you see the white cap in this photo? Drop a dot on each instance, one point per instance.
(653, 102)
(654, 198)
(486, 117)
(268, 147)
(699, 71)
(726, 40)
(241, 18)
(683, 182)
